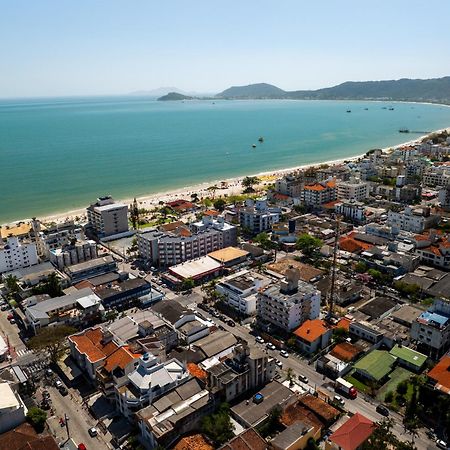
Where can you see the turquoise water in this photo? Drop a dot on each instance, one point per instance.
(60, 154)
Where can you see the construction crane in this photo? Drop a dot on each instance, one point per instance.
(332, 291)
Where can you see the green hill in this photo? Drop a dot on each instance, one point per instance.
(171, 96)
(252, 91)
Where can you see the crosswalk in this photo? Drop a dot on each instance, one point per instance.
(23, 352)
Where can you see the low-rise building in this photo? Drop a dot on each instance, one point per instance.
(351, 210)
(12, 408)
(240, 291)
(257, 217)
(352, 434)
(313, 335)
(409, 358)
(73, 253)
(90, 269)
(415, 220)
(375, 366)
(439, 375)
(15, 254)
(289, 303)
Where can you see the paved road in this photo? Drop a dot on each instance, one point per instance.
(316, 380)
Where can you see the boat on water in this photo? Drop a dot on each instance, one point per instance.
(391, 109)
(366, 109)
(403, 130)
(349, 110)
(384, 107)
(261, 139)
(254, 145)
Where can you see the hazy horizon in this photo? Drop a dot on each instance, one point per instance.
(51, 48)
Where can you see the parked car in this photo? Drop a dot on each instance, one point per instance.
(92, 432)
(5, 307)
(441, 444)
(382, 410)
(63, 391)
(279, 363)
(284, 354)
(303, 379)
(12, 321)
(10, 316)
(259, 339)
(338, 399)
(270, 346)
(231, 323)
(58, 384)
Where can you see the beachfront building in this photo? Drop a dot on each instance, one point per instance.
(317, 194)
(257, 217)
(108, 218)
(291, 185)
(16, 254)
(73, 253)
(437, 176)
(353, 210)
(240, 291)
(288, 304)
(354, 189)
(414, 220)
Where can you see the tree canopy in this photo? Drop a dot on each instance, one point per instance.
(249, 182)
(37, 418)
(218, 426)
(51, 340)
(308, 244)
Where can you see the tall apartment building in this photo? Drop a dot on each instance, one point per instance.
(352, 210)
(289, 304)
(353, 189)
(108, 218)
(319, 193)
(73, 253)
(257, 216)
(444, 197)
(437, 176)
(15, 254)
(291, 185)
(170, 248)
(415, 220)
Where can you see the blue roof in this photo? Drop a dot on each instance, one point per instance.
(434, 317)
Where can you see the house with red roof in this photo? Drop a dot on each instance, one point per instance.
(313, 335)
(440, 375)
(352, 434)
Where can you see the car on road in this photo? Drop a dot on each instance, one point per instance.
(142, 274)
(63, 391)
(231, 323)
(58, 384)
(382, 410)
(92, 432)
(441, 444)
(81, 446)
(284, 353)
(259, 339)
(270, 346)
(10, 316)
(303, 379)
(279, 363)
(48, 372)
(339, 400)
(5, 307)
(133, 267)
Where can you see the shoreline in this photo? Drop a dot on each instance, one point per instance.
(234, 185)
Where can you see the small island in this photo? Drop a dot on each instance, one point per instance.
(171, 96)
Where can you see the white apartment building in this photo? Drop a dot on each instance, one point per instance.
(74, 253)
(320, 193)
(108, 218)
(291, 185)
(444, 197)
(240, 291)
(12, 408)
(257, 216)
(437, 176)
(432, 328)
(290, 303)
(353, 189)
(17, 255)
(414, 220)
(352, 210)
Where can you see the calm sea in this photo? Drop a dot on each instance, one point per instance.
(60, 154)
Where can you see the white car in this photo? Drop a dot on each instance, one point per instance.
(441, 444)
(339, 399)
(303, 379)
(279, 363)
(270, 346)
(259, 339)
(58, 383)
(92, 432)
(284, 354)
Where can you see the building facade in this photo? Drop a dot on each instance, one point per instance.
(15, 254)
(107, 218)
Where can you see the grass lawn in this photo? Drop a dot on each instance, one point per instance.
(359, 385)
(395, 378)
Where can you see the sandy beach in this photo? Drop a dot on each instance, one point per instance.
(233, 186)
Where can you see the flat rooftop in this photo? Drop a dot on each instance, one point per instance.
(228, 254)
(196, 268)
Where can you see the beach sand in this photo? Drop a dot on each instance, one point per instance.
(234, 187)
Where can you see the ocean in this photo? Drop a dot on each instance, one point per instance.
(61, 154)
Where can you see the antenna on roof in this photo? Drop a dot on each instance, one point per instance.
(333, 269)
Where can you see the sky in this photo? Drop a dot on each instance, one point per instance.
(101, 47)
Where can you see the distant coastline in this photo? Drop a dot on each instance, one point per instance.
(234, 184)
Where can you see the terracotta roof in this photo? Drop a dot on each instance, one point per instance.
(196, 371)
(120, 358)
(211, 212)
(307, 272)
(319, 407)
(345, 351)
(314, 187)
(228, 254)
(441, 374)
(344, 323)
(84, 284)
(180, 204)
(90, 344)
(353, 433)
(247, 440)
(299, 413)
(25, 438)
(279, 196)
(311, 330)
(194, 442)
(183, 231)
(172, 226)
(330, 205)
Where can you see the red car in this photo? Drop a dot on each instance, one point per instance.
(10, 316)
(81, 447)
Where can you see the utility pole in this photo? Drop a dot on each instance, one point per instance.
(333, 269)
(66, 420)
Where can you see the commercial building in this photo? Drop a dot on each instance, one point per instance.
(199, 269)
(319, 193)
(353, 189)
(230, 256)
(437, 176)
(240, 291)
(107, 218)
(257, 217)
(288, 304)
(91, 269)
(73, 253)
(15, 254)
(12, 408)
(351, 210)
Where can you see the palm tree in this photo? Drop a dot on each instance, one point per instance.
(290, 377)
(12, 284)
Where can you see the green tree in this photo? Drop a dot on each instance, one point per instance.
(263, 240)
(361, 267)
(187, 284)
(249, 182)
(375, 274)
(12, 284)
(340, 334)
(51, 340)
(220, 204)
(402, 388)
(218, 426)
(52, 286)
(309, 245)
(389, 397)
(312, 444)
(290, 377)
(37, 418)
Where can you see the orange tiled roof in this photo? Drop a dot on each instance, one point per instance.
(314, 187)
(353, 433)
(196, 371)
(311, 330)
(441, 374)
(344, 323)
(319, 407)
(279, 196)
(194, 442)
(120, 358)
(90, 344)
(299, 413)
(345, 351)
(211, 212)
